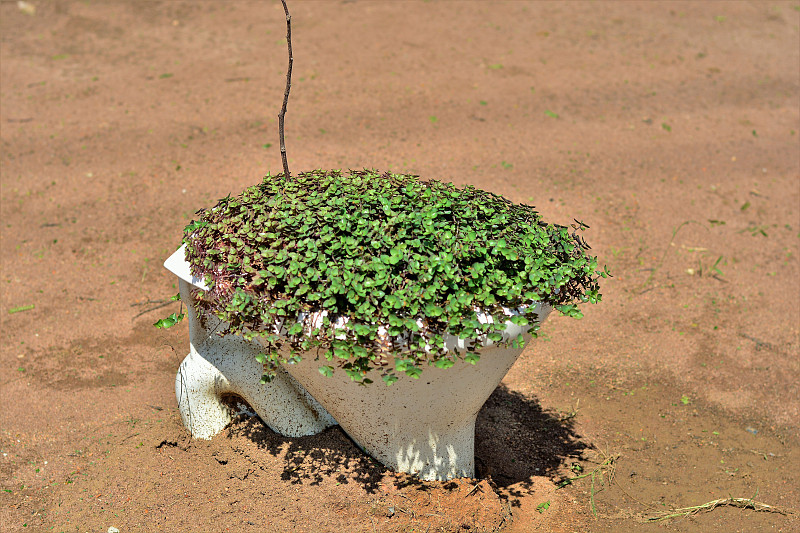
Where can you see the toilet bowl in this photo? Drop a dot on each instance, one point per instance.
(423, 426)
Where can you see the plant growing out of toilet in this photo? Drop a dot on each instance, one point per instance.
(391, 263)
(360, 264)
(305, 281)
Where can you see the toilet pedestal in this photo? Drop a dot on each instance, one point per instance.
(423, 426)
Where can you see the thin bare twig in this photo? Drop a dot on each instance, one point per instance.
(148, 302)
(282, 114)
(164, 304)
(475, 488)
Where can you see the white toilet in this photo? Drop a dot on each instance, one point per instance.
(422, 426)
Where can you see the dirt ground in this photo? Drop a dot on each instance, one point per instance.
(669, 128)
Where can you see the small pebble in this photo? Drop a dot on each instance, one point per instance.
(27, 8)
(112, 529)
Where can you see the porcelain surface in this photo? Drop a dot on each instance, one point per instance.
(424, 426)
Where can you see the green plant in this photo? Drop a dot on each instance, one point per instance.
(399, 260)
(598, 481)
(174, 318)
(362, 265)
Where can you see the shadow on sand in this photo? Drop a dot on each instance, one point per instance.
(515, 439)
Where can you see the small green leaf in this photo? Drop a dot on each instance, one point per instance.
(400, 365)
(519, 320)
(171, 320)
(472, 358)
(550, 114)
(413, 372)
(542, 507)
(432, 310)
(326, 371)
(443, 363)
(519, 342)
(194, 225)
(302, 289)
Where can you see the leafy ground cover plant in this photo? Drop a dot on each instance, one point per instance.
(361, 265)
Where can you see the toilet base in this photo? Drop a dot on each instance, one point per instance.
(218, 366)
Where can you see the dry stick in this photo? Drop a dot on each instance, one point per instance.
(742, 503)
(288, 87)
(150, 309)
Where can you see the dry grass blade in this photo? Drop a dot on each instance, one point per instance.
(606, 467)
(742, 503)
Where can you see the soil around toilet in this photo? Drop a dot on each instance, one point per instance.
(670, 128)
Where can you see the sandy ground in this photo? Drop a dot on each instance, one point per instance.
(670, 128)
